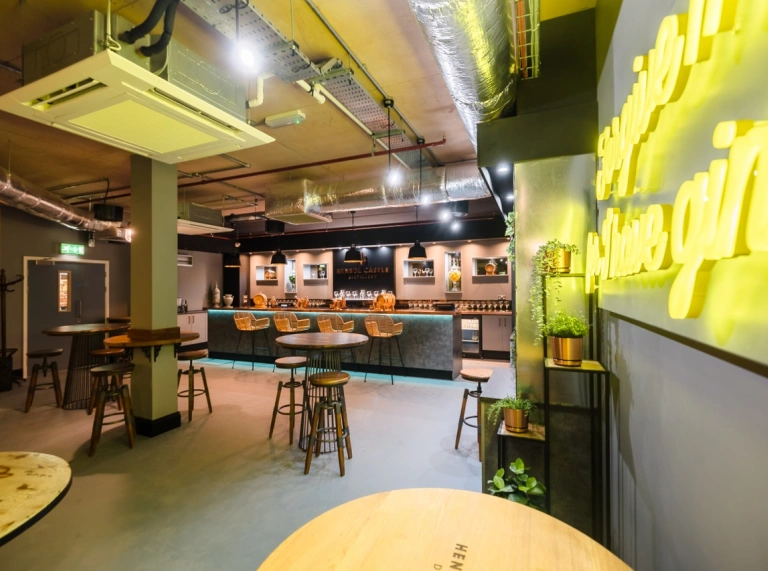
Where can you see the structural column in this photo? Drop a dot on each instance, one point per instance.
(154, 245)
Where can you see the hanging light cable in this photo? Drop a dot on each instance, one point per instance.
(393, 176)
(353, 255)
(417, 251)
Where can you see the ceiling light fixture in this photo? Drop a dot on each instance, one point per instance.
(445, 214)
(278, 258)
(243, 53)
(353, 255)
(503, 169)
(417, 252)
(231, 261)
(455, 226)
(510, 196)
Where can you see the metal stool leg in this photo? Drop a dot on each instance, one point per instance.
(191, 395)
(56, 383)
(391, 372)
(370, 350)
(461, 418)
(397, 342)
(237, 351)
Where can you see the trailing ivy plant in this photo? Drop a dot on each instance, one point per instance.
(510, 232)
(518, 486)
(514, 403)
(543, 265)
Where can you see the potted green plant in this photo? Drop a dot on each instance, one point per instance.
(518, 486)
(566, 338)
(547, 263)
(516, 411)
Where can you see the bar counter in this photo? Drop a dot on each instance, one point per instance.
(430, 342)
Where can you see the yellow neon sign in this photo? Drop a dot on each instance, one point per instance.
(718, 214)
(682, 40)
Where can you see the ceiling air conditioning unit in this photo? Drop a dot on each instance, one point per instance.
(196, 219)
(118, 235)
(175, 107)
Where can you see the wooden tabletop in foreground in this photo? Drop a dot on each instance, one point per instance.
(321, 340)
(31, 484)
(84, 328)
(434, 528)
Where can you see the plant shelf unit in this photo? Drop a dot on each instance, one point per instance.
(315, 273)
(290, 271)
(490, 270)
(452, 285)
(419, 270)
(266, 275)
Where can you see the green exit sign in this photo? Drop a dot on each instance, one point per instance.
(73, 249)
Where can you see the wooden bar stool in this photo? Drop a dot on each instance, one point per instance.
(109, 354)
(109, 390)
(192, 392)
(332, 383)
(291, 363)
(475, 375)
(45, 366)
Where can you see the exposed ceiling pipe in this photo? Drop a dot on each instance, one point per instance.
(279, 170)
(24, 195)
(314, 92)
(315, 164)
(365, 71)
(8, 67)
(259, 91)
(474, 43)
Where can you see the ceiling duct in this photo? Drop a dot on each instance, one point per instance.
(305, 200)
(474, 43)
(18, 193)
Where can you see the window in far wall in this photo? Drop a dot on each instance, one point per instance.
(65, 292)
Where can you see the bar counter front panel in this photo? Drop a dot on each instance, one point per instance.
(430, 342)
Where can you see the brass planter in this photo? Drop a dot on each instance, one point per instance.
(560, 261)
(567, 351)
(515, 420)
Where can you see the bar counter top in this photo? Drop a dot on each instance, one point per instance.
(365, 310)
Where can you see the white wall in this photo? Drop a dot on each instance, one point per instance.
(690, 458)
(196, 283)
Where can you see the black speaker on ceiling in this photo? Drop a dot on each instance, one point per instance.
(108, 212)
(274, 227)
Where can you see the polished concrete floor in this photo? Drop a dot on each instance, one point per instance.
(216, 493)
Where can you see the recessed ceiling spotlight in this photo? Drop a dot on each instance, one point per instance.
(425, 199)
(445, 214)
(455, 226)
(510, 196)
(237, 244)
(503, 169)
(246, 57)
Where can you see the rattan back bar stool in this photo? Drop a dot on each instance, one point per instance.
(332, 323)
(383, 329)
(247, 322)
(286, 322)
(45, 366)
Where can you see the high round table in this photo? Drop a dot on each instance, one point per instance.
(31, 484)
(433, 528)
(322, 355)
(85, 338)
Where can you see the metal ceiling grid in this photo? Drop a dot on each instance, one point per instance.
(288, 63)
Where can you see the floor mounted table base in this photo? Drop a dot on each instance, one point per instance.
(318, 362)
(77, 391)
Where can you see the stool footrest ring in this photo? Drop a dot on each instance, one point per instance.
(196, 392)
(466, 418)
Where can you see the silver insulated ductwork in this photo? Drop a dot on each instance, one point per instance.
(474, 44)
(305, 202)
(24, 195)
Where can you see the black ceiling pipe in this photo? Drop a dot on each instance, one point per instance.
(206, 244)
(475, 229)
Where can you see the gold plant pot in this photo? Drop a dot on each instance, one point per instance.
(560, 261)
(567, 351)
(515, 420)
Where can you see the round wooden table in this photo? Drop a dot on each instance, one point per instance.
(433, 528)
(322, 355)
(31, 484)
(86, 337)
(149, 344)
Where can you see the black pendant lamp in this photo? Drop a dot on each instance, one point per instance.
(353, 255)
(417, 252)
(278, 258)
